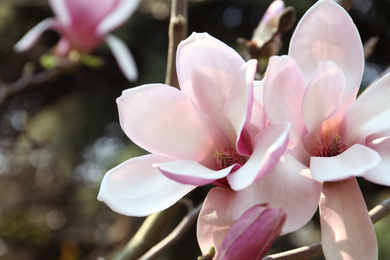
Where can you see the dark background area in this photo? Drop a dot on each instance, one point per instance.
(58, 139)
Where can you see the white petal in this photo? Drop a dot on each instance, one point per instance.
(34, 34)
(121, 13)
(136, 188)
(123, 57)
(354, 161)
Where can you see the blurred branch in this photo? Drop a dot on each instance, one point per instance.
(347, 4)
(369, 46)
(174, 236)
(28, 80)
(147, 235)
(177, 33)
(314, 250)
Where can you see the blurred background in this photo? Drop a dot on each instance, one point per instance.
(57, 139)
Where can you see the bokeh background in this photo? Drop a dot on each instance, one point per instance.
(57, 139)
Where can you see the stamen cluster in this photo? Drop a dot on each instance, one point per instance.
(226, 157)
(329, 146)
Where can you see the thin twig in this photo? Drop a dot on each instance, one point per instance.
(347, 4)
(174, 236)
(177, 33)
(147, 235)
(369, 46)
(314, 250)
(26, 81)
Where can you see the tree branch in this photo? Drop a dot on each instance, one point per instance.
(347, 4)
(147, 235)
(308, 252)
(174, 236)
(177, 33)
(28, 80)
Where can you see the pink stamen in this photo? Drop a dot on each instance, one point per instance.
(226, 157)
(329, 146)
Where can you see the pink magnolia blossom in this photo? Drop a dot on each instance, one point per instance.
(84, 25)
(333, 135)
(250, 237)
(205, 133)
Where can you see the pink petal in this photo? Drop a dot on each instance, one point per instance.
(274, 9)
(347, 230)
(60, 9)
(284, 87)
(86, 15)
(380, 174)
(253, 234)
(123, 57)
(239, 103)
(369, 114)
(191, 172)
(323, 96)
(327, 32)
(162, 120)
(122, 11)
(216, 217)
(136, 188)
(34, 34)
(288, 186)
(354, 161)
(206, 69)
(270, 144)
(258, 120)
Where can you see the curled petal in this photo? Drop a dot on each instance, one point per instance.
(252, 234)
(123, 57)
(240, 102)
(354, 161)
(34, 34)
(136, 188)
(346, 228)
(192, 172)
(122, 11)
(327, 32)
(162, 120)
(270, 144)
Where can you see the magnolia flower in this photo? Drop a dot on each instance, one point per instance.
(333, 135)
(250, 237)
(203, 134)
(83, 25)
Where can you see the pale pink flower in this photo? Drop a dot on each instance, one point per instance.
(205, 133)
(250, 237)
(336, 137)
(83, 25)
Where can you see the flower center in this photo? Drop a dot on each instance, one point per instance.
(329, 146)
(226, 157)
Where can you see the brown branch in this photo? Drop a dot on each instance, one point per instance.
(147, 235)
(174, 236)
(177, 33)
(7, 90)
(369, 46)
(314, 250)
(347, 4)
